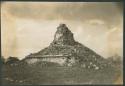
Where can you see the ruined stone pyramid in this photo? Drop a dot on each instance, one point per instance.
(65, 46)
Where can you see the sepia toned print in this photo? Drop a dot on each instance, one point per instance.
(62, 43)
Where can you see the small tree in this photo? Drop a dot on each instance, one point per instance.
(11, 60)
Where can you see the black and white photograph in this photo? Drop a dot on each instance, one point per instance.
(61, 43)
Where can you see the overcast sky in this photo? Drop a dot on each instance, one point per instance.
(28, 27)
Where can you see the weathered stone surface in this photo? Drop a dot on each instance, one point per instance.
(63, 36)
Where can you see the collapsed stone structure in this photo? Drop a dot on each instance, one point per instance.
(64, 50)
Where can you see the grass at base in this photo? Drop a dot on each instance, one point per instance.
(38, 75)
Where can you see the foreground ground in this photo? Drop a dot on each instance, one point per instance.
(38, 75)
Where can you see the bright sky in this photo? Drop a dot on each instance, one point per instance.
(27, 27)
